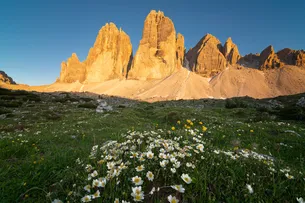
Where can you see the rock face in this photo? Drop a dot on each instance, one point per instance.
(180, 50)
(206, 57)
(110, 56)
(73, 70)
(230, 51)
(250, 60)
(156, 55)
(292, 57)
(269, 59)
(4, 78)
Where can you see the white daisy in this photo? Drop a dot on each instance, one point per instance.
(179, 188)
(140, 168)
(86, 198)
(250, 189)
(186, 178)
(137, 180)
(172, 199)
(150, 175)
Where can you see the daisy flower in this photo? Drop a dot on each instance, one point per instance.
(250, 189)
(96, 194)
(150, 155)
(172, 199)
(186, 178)
(86, 198)
(179, 188)
(150, 175)
(137, 180)
(140, 168)
(87, 188)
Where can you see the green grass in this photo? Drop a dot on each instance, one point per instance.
(41, 140)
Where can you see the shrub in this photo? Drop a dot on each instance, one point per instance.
(235, 103)
(87, 105)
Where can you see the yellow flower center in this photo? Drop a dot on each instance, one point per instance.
(138, 197)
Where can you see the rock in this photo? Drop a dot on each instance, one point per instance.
(269, 59)
(180, 50)
(206, 57)
(110, 55)
(103, 107)
(230, 51)
(292, 57)
(301, 102)
(156, 55)
(73, 70)
(250, 60)
(4, 78)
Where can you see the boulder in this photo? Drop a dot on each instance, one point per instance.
(156, 55)
(110, 55)
(230, 51)
(206, 58)
(73, 70)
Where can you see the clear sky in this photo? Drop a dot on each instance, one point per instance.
(36, 35)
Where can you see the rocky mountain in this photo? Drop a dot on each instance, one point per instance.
(161, 69)
(73, 70)
(230, 51)
(4, 78)
(206, 58)
(110, 55)
(109, 58)
(156, 56)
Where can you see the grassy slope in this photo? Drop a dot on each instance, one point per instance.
(40, 141)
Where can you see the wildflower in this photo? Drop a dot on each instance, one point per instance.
(172, 199)
(200, 147)
(140, 168)
(137, 194)
(96, 183)
(204, 128)
(216, 151)
(178, 122)
(179, 188)
(173, 128)
(152, 191)
(250, 189)
(150, 175)
(57, 201)
(186, 178)
(96, 194)
(251, 131)
(188, 121)
(87, 188)
(200, 123)
(289, 176)
(150, 155)
(86, 198)
(173, 170)
(137, 180)
(116, 200)
(94, 174)
(300, 200)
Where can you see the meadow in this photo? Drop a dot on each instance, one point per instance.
(57, 148)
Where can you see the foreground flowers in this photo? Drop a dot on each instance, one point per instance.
(186, 178)
(172, 199)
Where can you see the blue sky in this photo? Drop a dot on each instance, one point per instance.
(36, 36)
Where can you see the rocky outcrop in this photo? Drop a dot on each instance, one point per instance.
(269, 59)
(4, 78)
(110, 55)
(230, 51)
(292, 57)
(109, 58)
(206, 57)
(249, 60)
(73, 70)
(180, 50)
(156, 55)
